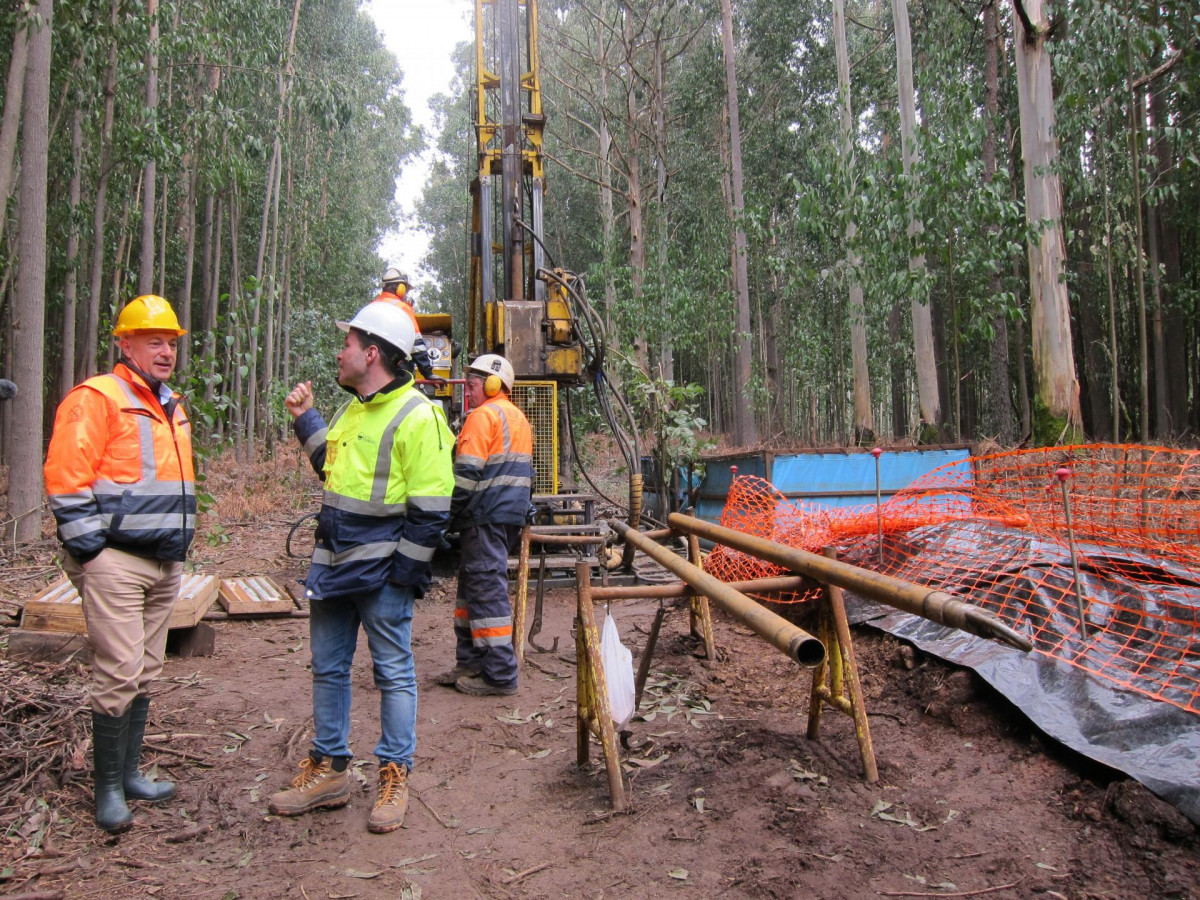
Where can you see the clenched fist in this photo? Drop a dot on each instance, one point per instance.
(300, 399)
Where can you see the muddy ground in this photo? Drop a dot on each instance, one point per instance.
(728, 796)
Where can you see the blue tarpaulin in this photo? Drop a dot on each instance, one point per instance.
(829, 479)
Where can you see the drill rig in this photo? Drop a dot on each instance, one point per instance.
(521, 304)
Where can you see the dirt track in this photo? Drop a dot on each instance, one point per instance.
(728, 796)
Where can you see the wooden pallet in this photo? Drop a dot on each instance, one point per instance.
(254, 596)
(59, 609)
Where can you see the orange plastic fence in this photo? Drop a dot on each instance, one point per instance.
(994, 531)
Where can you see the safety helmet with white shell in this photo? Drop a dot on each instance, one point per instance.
(490, 364)
(393, 275)
(387, 322)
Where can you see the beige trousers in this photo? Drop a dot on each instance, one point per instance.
(127, 603)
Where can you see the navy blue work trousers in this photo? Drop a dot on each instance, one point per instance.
(482, 612)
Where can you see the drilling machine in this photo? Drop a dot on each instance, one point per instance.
(521, 305)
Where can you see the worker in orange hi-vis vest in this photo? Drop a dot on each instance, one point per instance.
(120, 477)
(493, 486)
(397, 290)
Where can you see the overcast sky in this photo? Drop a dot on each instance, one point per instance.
(422, 34)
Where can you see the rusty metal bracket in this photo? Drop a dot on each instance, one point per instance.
(593, 712)
(835, 682)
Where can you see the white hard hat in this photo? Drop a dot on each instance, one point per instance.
(394, 274)
(493, 364)
(387, 321)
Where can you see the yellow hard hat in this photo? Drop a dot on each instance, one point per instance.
(148, 312)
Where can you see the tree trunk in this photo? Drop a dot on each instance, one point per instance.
(11, 122)
(1163, 426)
(899, 379)
(1113, 346)
(237, 320)
(29, 307)
(922, 321)
(1057, 388)
(864, 423)
(188, 218)
(211, 299)
(146, 271)
(605, 172)
(66, 369)
(120, 267)
(999, 387)
(745, 430)
(637, 236)
(667, 349)
(91, 336)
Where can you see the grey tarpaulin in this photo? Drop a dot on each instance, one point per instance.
(1154, 742)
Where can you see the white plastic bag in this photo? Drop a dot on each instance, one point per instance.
(618, 673)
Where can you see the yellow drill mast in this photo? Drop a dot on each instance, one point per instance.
(514, 310)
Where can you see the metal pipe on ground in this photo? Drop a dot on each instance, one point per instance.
(774, 629)
(937, 606)
(774, 585)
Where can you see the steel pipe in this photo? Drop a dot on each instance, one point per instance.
(775, 585)
(774, 629)
(565, 540)
(937, 606)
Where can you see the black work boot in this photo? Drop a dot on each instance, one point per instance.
(108, 757)
(137, 785)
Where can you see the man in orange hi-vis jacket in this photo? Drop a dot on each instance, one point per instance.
(396, 290)
(493, 485)
(122, 488)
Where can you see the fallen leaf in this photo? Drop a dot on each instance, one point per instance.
(837, 857)
(355, 873)
(699, 804)
(413, 860)
(647, 763)
(540, 754)
(680, 874)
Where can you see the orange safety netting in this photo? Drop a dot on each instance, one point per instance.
(993, 530)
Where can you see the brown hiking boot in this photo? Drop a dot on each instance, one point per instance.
(447, 678)
(317, 785)
(479, 686)
(388, 814)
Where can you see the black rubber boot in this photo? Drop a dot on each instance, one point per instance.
(137, 785)
(109, 734)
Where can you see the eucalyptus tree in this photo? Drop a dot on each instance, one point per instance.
(922, 323)
(744, 427)
(25, 458)
(14, 87)
(1053, 352)
(864, 423)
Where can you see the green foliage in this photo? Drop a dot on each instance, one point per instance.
(343, 132)
(670, 413)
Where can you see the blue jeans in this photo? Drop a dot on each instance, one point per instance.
(386, 616)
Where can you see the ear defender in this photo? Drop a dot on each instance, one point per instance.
(492, 385)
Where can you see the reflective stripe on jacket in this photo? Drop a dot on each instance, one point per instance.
(119, 472)
(493, 468)
(386, 466)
